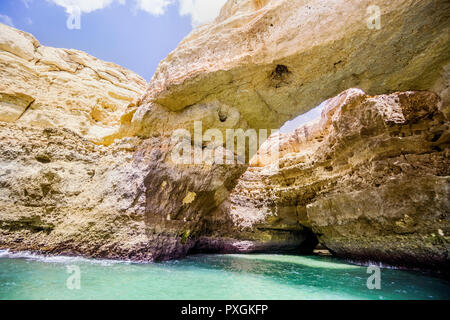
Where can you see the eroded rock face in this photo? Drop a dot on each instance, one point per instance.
(60, 193)
(63, 191)
(370, 178)
(84, 170)
(59, 88)
(272, 60)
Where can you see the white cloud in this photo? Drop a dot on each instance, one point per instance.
(85, 6)
(201, 11)
(155, 7)
(6, 20)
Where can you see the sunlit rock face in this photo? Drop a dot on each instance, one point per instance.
(60, 192)
(273, 60)
(85, 170)
(49, 87)
(69, 186)
(370, 177)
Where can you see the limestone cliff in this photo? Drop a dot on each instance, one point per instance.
(86, 170)
(270, 61)
(60, 88)
(370, 177)
(67, 187)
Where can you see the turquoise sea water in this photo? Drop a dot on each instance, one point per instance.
(28, 276)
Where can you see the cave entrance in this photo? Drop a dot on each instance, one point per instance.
(280, 220)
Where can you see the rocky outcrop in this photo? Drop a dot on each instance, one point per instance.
(63, 191)
(60, 88)
(262, 63)
(370, 177)
(85, 170)
(270, 61)
(60, 193)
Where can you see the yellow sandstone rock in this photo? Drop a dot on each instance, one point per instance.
(60, 88)
(272, 60)
(84, 169)
(369, 177)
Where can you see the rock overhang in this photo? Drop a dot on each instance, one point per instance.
(271, 71)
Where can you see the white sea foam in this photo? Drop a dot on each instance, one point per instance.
(56, 259)
(376, 263)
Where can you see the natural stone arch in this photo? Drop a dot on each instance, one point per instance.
(270, 65)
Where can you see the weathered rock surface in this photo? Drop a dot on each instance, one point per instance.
(84, 170)
(370, 178)
(62, 192)
(270, 61)
(60, 88)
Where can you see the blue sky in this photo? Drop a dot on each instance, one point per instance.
(136, 34)
(312, 114)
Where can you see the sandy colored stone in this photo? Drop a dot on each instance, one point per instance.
(85, 170)
(60, 193)
(63, 192)
(273, 60)
(60, 88)
(370, 178)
